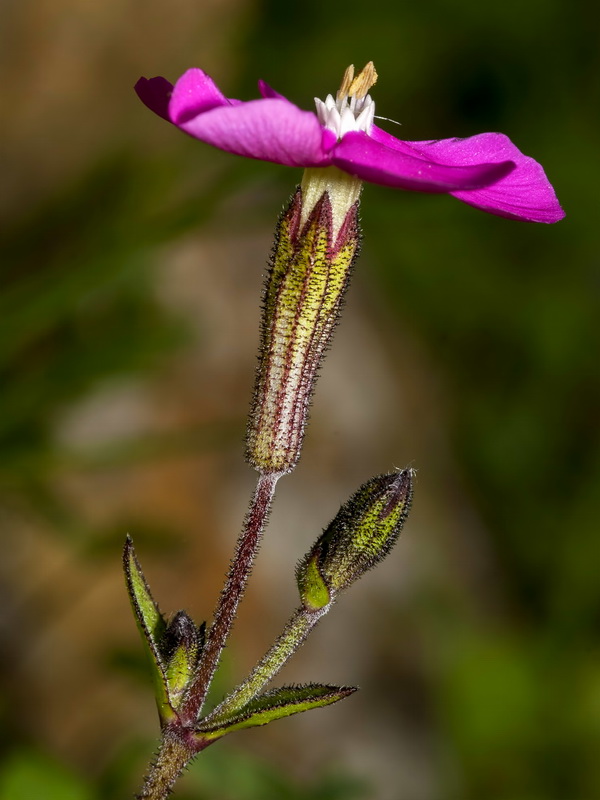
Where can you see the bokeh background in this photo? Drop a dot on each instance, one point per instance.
(132, 265)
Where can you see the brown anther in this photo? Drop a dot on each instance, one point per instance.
(346, 82)
(366, 78)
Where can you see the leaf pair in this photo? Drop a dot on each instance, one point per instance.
(175, 648)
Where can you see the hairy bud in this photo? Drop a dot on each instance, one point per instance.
(361, 535)
(308, 276)
(181, 645)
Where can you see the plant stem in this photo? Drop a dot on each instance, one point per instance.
(239, 572)
(294, 634)
(168, 765)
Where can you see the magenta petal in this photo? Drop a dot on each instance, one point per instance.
(268, 91)
(155, 93)
(194, 93)
(525, 194)
(271, 129)
(403, 167)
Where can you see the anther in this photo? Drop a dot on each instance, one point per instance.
(347, 81)
(360, 85)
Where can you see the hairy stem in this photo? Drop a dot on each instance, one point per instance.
(293, 636)
(239, 572)
(168, 765)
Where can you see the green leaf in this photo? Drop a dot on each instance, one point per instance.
(276, 704)
(174, 648)
(151, 625)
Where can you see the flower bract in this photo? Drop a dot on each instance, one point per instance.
(486, 171)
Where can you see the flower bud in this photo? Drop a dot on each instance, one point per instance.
(181, 632)
(308, 276)
(361, 535)
(181, 647)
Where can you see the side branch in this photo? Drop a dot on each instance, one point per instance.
(293, 636)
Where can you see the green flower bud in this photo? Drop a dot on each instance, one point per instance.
(309, 273)
(181, 646)
(361, 535)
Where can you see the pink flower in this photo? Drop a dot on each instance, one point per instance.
(486, 171)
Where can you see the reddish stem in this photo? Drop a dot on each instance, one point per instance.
(177, 749)
(239, 572)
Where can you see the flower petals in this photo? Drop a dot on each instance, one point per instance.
(404, 167)
(155, 93)
(194, 93)
(271, 129)
(525, 194)
(486, 171)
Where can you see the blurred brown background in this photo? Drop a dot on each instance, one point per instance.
(132, 267)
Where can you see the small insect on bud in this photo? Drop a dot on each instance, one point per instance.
(309, 273)
(361, 535)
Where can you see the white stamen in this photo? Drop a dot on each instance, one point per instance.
(365, 119)
(333, 120)
(346, 114)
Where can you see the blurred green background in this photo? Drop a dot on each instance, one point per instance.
(132, 261)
